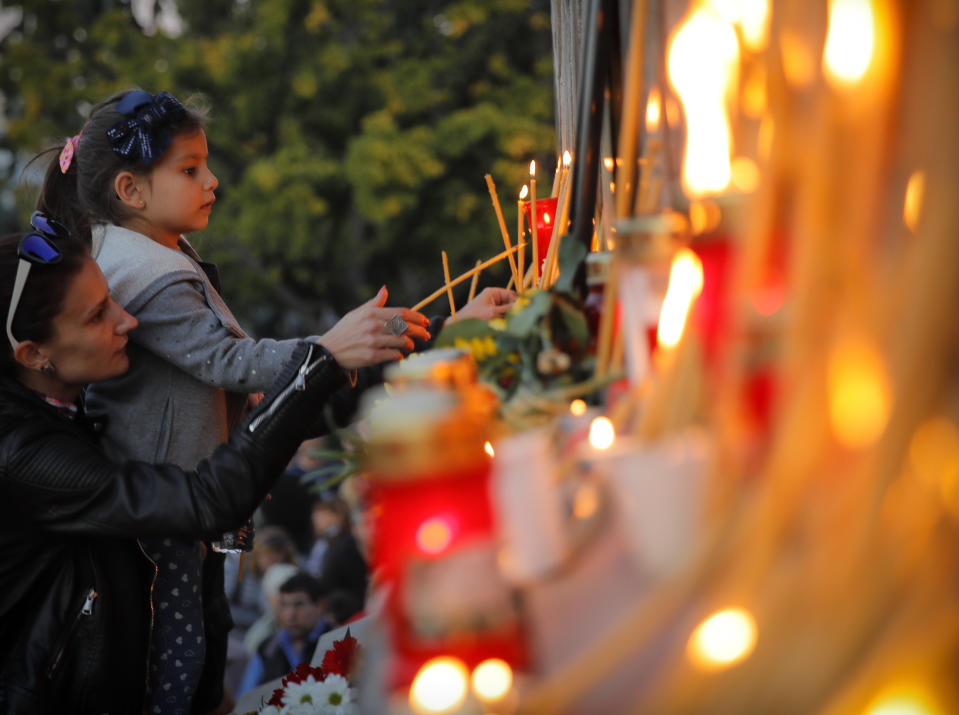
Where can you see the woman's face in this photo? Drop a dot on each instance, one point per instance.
(90, 333)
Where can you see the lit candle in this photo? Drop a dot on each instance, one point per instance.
(532, 206)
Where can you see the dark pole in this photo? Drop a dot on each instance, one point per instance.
(592, 87)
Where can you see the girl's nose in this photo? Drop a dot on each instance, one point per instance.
(211, 181)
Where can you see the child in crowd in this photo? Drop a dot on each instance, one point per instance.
(133, 182)
(335, 558)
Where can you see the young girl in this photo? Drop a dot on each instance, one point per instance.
(137, 179)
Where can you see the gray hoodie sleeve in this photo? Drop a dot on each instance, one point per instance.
(177, 325)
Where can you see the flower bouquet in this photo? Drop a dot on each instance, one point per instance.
(535, 357)
(325, 690)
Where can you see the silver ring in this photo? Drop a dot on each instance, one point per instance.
(396, 325)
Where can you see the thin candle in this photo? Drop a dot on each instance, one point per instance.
(521, 234)
(469, 274)
(472, 283)
(532, 218)
(556, 178)
(502, 224)
(449, 288)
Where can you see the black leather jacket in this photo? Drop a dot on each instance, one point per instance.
(75, 613)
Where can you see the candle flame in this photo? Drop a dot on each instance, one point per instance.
(608, 163)
(567, 158)
(492, 679)
(601, 433)
(654, 110)
(685, 284)
(440, 686)
(754, 22)
(702, 63)
(726, 637)
(850, 41)
(903, 699)
(532, 168)
(524, 192)
(545, 217)
(489, 449)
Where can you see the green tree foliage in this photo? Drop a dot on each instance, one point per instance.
(350, 137)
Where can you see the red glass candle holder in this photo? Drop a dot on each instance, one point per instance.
(433, 543)
(545, 220)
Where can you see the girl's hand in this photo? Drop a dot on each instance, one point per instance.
(362, 337)
(490, 303)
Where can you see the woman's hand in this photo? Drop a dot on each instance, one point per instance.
(362, 337)
(490, 303)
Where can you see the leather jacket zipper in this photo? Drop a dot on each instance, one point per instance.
(153, 581)
(85, 610)
(298, 384)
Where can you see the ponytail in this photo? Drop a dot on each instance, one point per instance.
(59, 196)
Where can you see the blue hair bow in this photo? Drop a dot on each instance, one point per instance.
(142, 136)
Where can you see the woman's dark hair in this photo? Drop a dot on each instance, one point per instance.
(43, 294)
(84, 195)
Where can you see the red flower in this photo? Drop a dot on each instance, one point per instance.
(341, 658)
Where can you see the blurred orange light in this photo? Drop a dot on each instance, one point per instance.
(850, 41)
(492, 679)
(725, 638)
(440, 686)
(912, 204)
(654, 110)
(434, 535)
(601, 433)
(702, 63)
(860, 397)
(685, 284)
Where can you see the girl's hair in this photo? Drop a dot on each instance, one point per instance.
(84, 195)
(43, 294)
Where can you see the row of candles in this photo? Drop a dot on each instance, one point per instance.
(859, 393)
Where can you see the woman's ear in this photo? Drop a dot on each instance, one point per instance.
(30, 355)
(127, 189)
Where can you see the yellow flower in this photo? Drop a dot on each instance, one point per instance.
(497, 324)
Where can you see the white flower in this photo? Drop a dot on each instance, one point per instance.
(270, 710)
(300, 693)
(334, 696)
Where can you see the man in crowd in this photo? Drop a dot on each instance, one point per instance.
(300, 617)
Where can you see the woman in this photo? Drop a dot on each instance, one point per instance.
(75, 607)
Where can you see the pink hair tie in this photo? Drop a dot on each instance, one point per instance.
(66, 154)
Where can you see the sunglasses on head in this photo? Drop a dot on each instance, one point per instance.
(36, 247)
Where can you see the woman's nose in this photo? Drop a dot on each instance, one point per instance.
(125, 322)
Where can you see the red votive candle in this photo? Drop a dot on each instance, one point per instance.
(433, 536)
(545, 218)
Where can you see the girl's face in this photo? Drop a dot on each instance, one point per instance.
(178, 192)
(90, 333)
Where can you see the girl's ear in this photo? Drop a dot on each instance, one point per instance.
(29, 354)
(127, 188)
